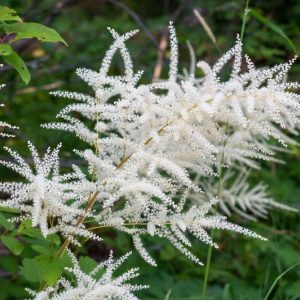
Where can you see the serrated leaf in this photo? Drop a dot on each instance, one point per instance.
(53, 239)
(5, 49)
(8, 14)
(26, 30)
(30, 270)
(15, 246)
(26, 228)
(17, 62)
(87, 264)
(50, 269)
(32, 232)
(258, 16)
(44, 268)
(41, 249)
(3, 222)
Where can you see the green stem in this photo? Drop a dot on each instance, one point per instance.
(218, 194)
(219, 189)
(207, 267)
(277, 279)
(246, 12)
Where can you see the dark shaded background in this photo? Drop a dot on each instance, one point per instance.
(242, 268)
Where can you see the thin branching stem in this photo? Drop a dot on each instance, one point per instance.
(127, 224)
(246, 12)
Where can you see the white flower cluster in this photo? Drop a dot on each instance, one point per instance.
(52, 201)
(255, 105)
(90, 286)
(148, 141)
(153, 154)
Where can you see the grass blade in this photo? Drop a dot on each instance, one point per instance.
(258, 16)
(277, 279)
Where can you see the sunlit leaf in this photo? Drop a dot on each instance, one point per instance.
(3, 222)
(258, 16)
(5, 49)
(15, 246)
(30, 270)
(8, 14)
(44, 268)
(25, 30)
(26, 228)
(50, 269)
(17, 62)
(87, 264)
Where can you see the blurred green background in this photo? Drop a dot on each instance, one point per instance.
(242, 268)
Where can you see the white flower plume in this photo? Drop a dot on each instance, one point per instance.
(90, 286)
(239, 197)
(148, 141)
(46, 194)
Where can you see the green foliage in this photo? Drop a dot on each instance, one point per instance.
(4, 223)
(242, 269)
(12, 244)
(87, 264)
(17, 62)
(43, 268)
(12, 25)
(265, 21)
(5, 49)
(25, 30)
(8, 14)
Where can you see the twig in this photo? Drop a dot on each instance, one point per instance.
(160, 55)
(164, 42)
(44, 87)
(207, 29)
(127, 224)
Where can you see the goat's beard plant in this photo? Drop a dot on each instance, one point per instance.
(157, 154)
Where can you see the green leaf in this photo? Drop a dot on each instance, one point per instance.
(3, 287)
(277, 279)
(26, 228)
(9, 263)
(226, 293)
(53, 239)
(87, 264)
(4, 223)
(41, 249)
(33, 30)
(8, 14)
(258, 16)
(50, 269)
(294, 289)
(10, 210)
(43, 268)
(12, 244)
(30, 270)
(5, 49)
(17, 62)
